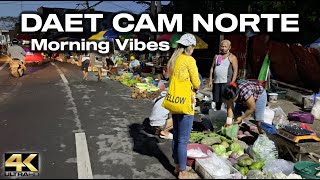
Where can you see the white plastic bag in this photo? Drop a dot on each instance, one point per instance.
(216, 166)
(280, 118)
(316, 109)
(268, 115)
(278, 166)
(263, 149)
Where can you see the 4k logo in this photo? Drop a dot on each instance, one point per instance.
(21, 164)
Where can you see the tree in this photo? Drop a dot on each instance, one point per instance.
(8, 22)
(309, 18)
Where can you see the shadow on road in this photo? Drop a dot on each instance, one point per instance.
(33, 67)
(146, 145)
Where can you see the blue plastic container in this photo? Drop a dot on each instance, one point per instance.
(155, 83)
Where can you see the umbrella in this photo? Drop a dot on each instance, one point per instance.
(127, 36)
(98, 36)
(174, 37)
(108, 35)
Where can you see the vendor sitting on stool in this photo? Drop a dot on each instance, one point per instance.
(134, 66)
(160, 118)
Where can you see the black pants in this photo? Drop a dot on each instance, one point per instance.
(217, 91)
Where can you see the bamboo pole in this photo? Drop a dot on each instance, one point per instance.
(292, 86)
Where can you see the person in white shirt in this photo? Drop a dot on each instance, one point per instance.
(134, 65)
(161, 119)
(16, 52)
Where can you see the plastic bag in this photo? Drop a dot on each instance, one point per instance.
(268, 115)
(215, 166)
(280, 118)
(316, 109)
(278, 166)
(230, 131)
(263, 149)
(256, 174)
(301, 116)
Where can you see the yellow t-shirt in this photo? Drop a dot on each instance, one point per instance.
(185, 68)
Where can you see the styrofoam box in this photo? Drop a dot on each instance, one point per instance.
(199, 168)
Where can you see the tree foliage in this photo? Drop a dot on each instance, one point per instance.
(8, 22)
(308, 10)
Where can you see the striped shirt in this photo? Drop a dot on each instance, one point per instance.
(248, 89)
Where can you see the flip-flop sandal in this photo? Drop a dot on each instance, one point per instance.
(170, 136)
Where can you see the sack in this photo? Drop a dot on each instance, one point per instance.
(280, 118)
(17, 68)
(178, 98)
(301, 116)
(316, 109)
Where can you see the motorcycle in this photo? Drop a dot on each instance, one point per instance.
(17, 68)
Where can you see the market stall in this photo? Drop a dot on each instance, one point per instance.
(289, 149)
(238, 160)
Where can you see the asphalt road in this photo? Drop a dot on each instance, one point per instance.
(81, 129)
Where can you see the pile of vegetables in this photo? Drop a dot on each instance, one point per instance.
(248, 133)
(244, 163)
(144, 94)
(230, 150)
(126, 79)
(141, 87)
(129, 82)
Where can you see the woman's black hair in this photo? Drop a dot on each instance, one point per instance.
(230, 92)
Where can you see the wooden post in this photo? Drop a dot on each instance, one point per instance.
(247, 54)
(221, 37)
(153, 14)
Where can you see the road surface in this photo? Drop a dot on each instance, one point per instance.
(81, 129)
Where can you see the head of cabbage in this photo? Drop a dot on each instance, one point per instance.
(219, 149)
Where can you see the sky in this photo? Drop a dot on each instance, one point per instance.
(14, 8)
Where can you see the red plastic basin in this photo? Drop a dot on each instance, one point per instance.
(204, 149)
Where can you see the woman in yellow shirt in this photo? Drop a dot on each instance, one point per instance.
(183, 66)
